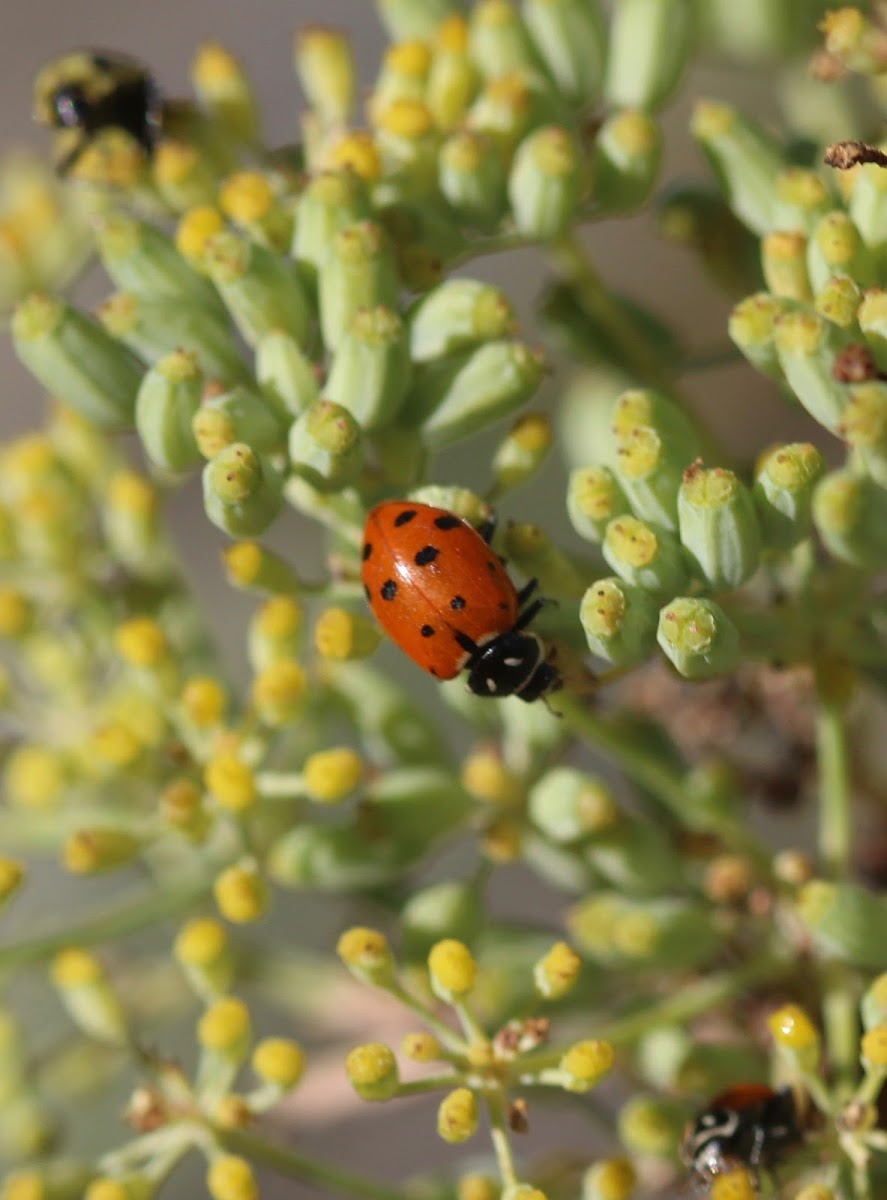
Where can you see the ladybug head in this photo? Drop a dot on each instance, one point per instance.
(708, 1141)
(512, 664)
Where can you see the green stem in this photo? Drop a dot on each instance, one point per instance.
(501, 1141)
(127, 918)
(833, 761)
(840, 1015)
(287, 1162)
(447, 1036)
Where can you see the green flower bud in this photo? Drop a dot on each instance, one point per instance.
(719, 526)
(752, 327)
(446, 909)
(285, 374)
(784, 261)
(335, 858)
(783, 493)
(872, 317)
(358, 272)
(570, 37)
(453, 79)
(836, 247)
(651, 42)
(238, 415)
(644, 555)
(745, 160)
(458, 314)
(405, 19)
(838, 301)
(131, 523)
(242, 491)
(330, 203)
(472, 178)
(537, 557)
(253, 567)
(140, 258)
(342, 636)
(806, 345)
(850, 513)
(635, 857)
(698, 217)
(648, 468)
(521, 453)
(652, 1126)
(868, 209)
(225, 92)
(546, 183)
(611, 927)
(568, 805)
(845, 921)
(367, 955)
(28, 1130)
(324, 64)
(407, 143)
(275, 632)
(801, 199)
(865, 426)
(90, 851)
(372, 1071)
(394, 727)
(712, 792)
(873, 1006)
(620, 621)
(371, 367)
(698, 638)
(498, 41)
(412, 806)
(72, 357)
(325, 446)
(609, 1179)
(57, 1179)
(86, 993)
(203, 952)
(167, 400)
(184, 176)
(594, 499)
(261, 290)
(509, 107)
(626, 160)
(456, 396)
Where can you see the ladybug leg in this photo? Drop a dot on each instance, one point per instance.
(526, 592)
(469, 645)
(487, 528)
(530, 613)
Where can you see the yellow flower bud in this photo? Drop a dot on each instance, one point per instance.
(203, 951)
(233, 1112)
(196, 228)
(453, 969)
(232, 782)
(367, 955)
(557, 972)
(279, 691)
(734, 1185)
(91, 850)
(421, 1047)
(340, 635)
(279, 1061)
(609, 1179)
(34, 777)
(331, 775)
(240, 893)
(357, 150)
(142, 642)
(225, 1028)
(486, 777)
(15, 613)
(792, 1028)
(372, 1071)
(231, 1178)
(91, 1002)
(203, 699)
(874, 1047)
(457, 1116)
(12, 873)
(129, 1187)
(586, 1064)
(477, 1187)
(246, 197)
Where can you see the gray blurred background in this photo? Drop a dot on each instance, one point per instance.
(164, 34)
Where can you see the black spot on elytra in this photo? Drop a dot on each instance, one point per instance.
(367, 550)
(405, 517)
(457, 602)
(433, 670)
(491, 565)
(388, 590)
(447, 522)
(427, 631)
(503, 605)
(426, 555)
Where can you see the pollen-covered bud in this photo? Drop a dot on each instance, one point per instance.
(806, 345)
(557, 972)
(472, 178)
(238, 415)
(324, 64)
(342, 636)
(796, 1035)
(783, 493)
(850, 514)
(90, 851)
(736, 1183)
(275, 632)
(331, 202)
(546, 183)
(458, 1116)
(167, 400)
(651, 42)
(422, 1047)
(181, 808)
(865, 426)
(367, 955)
(836, 247)
(260, 288)
(358, 271)
(746, 161)
(645, 556)
(204, 954)
(626, 159)
(649, 1125)
(184, 177)
(231, 1177)
(12, 875)
(73, 358)
(594, 498)
(784, 263)
(570, 37)
(370, 369)
(225, 1029)
(240, 893)
(231, 782)
(752, 328)
(486, 778)
(585, 1064)
(845, 921)
(838, 301)
(403, 76)
(568, 805)
(620, 621)
(498, 41)
(697, 637)
(457, 314)
(648, 467)
(325, 446)
(719, 526)
(872, 317)
(279, 1062)
(873, 1006)
(203, 701)
(372, 1071)
(86, 993)
(522, 452)
(439, 910)
(195, 229)
(279, 692)
(226, 93)
(452, 968)
(466, 392)
(453, 78)
(140, 258)
(609, 1179)
(241, 491)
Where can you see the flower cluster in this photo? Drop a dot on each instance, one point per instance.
(293, 325)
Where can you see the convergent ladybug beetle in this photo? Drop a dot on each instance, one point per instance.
(440, 593)
(748, 1125)
(88, 91)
